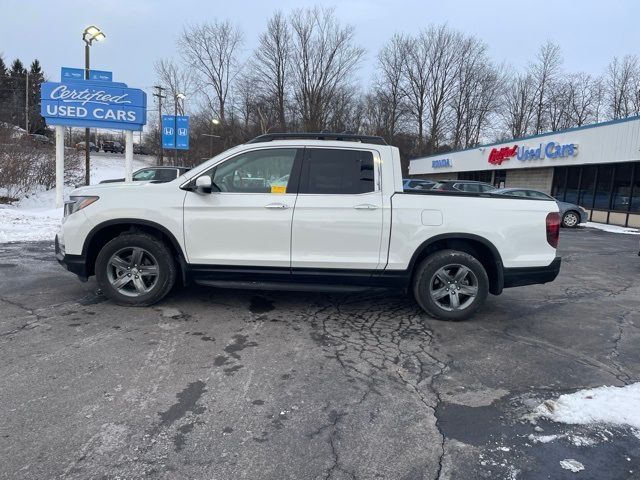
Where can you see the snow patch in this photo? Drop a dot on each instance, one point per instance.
(612, 228)
(542, 438)
(605, 405)
(35, 217)
(572, 465)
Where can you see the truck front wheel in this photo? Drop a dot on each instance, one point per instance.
(450, 285)
(135, 269)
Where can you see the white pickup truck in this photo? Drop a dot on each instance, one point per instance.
(307, 211)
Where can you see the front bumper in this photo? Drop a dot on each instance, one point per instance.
(584, 216)
(518, 277)
(74, 263)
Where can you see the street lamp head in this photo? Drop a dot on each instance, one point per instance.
(92, 33)
(181, 96)
(215, 121)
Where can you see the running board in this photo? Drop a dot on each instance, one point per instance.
(284, 286)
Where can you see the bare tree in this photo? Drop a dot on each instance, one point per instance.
(518, 107)
(175, 79)
(583, 97)
(544, 72)
(445, 47)
(324, 59)
(620, 81)
(271, 63)
(211, 49)
(475, 94)
(416, 84)
(388, 87)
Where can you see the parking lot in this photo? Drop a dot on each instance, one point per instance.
(225, 384)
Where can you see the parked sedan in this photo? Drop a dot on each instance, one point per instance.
(153, 174)
(92, 147)
(112, 147)
(572, 214)
(463, 186)
(417, 184)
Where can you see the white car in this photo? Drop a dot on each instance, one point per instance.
(341, 221)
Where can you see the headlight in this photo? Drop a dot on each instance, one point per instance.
(77, 203)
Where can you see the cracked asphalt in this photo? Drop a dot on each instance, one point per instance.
(221, 384)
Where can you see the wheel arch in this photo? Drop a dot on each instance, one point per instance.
(108, 230)
(475, 245)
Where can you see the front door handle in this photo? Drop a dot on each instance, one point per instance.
(277, 206)
(365, 206)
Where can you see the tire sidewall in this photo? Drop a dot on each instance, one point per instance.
(431, 265)
(166, 269)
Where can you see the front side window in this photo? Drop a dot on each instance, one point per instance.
(334, 171)
(259, 171)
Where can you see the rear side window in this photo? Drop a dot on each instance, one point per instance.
(334, 171)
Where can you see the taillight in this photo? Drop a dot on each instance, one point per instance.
(553, 229)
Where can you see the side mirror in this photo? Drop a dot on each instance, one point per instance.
(203, 184)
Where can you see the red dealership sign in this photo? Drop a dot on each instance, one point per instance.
(499, 155)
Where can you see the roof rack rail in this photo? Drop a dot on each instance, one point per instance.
(346, 137)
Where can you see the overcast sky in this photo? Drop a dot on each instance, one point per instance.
(139, 32)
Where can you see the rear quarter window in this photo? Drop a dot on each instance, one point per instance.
(335, 171)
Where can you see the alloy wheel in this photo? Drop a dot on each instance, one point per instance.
(132, 271)
(453, 287)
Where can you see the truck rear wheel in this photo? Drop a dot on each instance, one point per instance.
(450, 285)
(135, 269)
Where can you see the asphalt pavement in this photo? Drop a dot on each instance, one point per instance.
(226, 384)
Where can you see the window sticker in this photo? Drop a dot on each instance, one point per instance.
(278, 189)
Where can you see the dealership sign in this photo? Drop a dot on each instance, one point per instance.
(93, 103)
(441, 163)
(499, 155)
(523, 153)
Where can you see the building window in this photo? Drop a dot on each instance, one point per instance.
(603, 187)
(635, 193)
(587, 186)
(621, 194)
(559, 183)
(481, 176)
(500, 178)
(573, 184)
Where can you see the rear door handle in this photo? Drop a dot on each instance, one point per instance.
(277, 206)
(365, 206)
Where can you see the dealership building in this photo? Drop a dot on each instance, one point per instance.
(596, 166)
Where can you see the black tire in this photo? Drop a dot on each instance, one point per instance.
(156, 253)
(427, 281)
(570, 219)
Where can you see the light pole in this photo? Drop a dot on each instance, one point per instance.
(214, 123)
(90, 34)
(178, 97)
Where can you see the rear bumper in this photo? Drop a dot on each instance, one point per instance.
(518, 277)
(74, 263)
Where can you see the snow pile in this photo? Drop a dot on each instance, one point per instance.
(571, 465)
(605, 405)
(612, 228)
(35, 217)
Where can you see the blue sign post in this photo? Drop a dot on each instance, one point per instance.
(100, 75)
(169, 132)
(182, 132)
(72, 73)
(175, 132)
